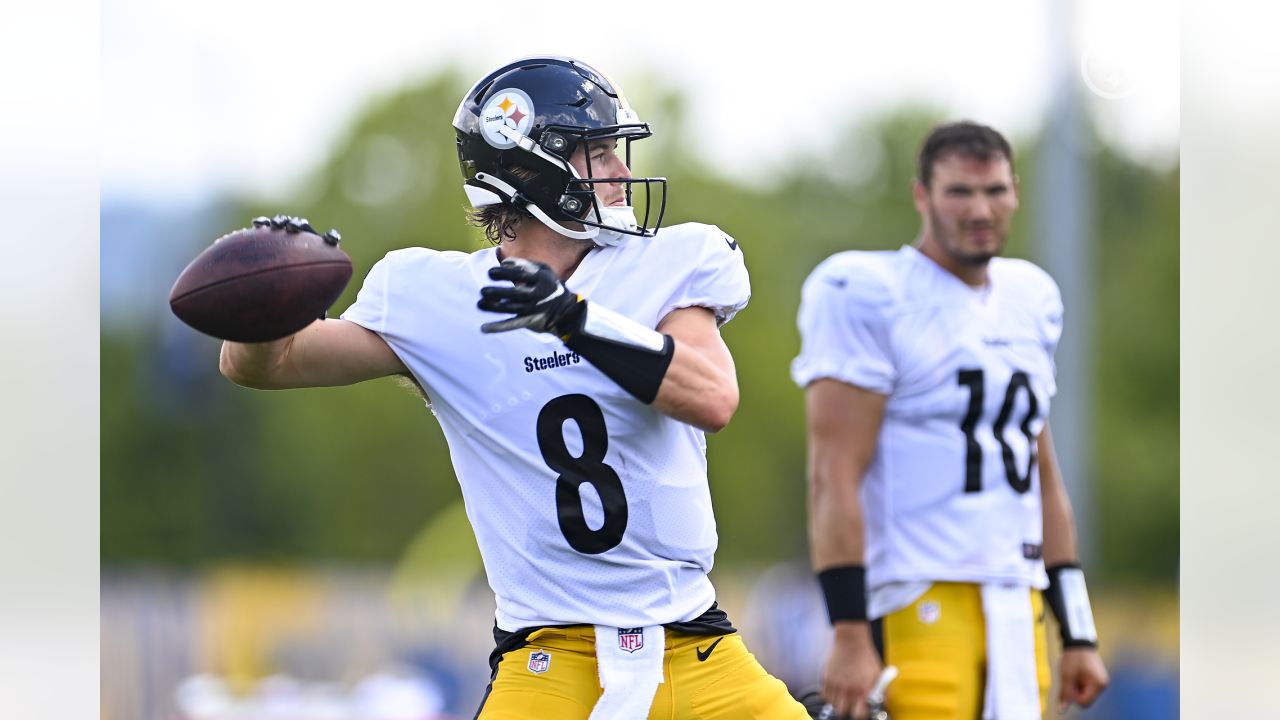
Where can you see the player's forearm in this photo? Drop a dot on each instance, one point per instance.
(696, 391)
(836, 535)
(1067, 594)
(326, 353)
(844, 427)
(1059, 520)
(1059, 530)
(681, 367)
(836, 543)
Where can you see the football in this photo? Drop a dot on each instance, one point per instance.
(262, 283)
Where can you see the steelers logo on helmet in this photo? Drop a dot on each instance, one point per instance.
(508, 112)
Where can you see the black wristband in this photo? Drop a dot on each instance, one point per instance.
(845, 590)
(1069, 600)
(637, 366)
(636, 370)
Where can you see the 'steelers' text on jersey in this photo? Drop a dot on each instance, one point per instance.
(588, 505)
(953, 492)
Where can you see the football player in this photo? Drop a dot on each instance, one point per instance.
(574, 368)
(935, 500)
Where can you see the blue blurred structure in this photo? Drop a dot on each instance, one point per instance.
(1140, 690)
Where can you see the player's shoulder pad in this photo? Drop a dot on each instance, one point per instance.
(1034, 291)
(420, 255)
(703, 251)
(867, 279)
(1031, 282)
(407, 262)
(708, 264)
(686, 236)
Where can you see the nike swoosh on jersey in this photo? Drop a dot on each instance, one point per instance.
(702, 656)
(733, 245)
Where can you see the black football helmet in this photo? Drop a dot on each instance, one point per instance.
(517, 129)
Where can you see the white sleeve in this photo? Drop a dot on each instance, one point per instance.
(371, 305)
(718, 281)
(1051, 327)
(844, 330)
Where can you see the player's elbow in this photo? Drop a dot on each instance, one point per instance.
(718, 409)
(238, 371)
(227, 366)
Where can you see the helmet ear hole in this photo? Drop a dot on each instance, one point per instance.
(555, 143)
(571, 205)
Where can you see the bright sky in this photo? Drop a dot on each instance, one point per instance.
(199, 98)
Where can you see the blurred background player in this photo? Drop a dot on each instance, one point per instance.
(579, 446)
(935, 500)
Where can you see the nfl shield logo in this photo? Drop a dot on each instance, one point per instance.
(539, 662)
(630, 639)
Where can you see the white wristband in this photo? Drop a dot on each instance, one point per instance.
(1078, 614)
(604, 324)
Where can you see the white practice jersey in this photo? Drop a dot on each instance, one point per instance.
(589, 506)
(953, 492)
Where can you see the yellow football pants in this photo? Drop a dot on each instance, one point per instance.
(704, 678)
(939, 646)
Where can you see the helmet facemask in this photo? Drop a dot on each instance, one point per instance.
(581, 203)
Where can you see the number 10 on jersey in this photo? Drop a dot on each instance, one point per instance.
(975, 381)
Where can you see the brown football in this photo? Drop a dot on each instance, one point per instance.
(261, 283)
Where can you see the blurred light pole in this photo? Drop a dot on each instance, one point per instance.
(1064, 244)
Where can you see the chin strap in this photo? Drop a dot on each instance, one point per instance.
(587, 233)
(619, 223)
(502, 191)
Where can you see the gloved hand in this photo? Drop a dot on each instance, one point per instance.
(539, 301)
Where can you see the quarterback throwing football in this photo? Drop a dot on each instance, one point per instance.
(935, 499)
(574, 368)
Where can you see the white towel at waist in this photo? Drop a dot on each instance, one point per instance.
(630, 663)
(1012, 690)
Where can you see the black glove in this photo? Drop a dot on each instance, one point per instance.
(539, 301)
